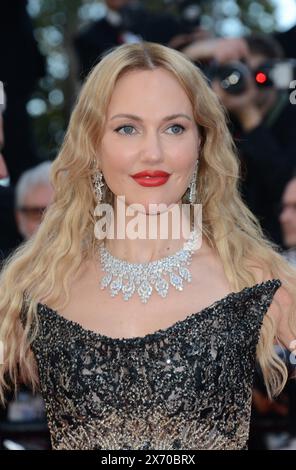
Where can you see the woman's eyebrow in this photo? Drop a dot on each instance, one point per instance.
(137, 118)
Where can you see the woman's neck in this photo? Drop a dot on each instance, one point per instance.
(147, 237)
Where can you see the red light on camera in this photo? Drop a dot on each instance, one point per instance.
(261, 77)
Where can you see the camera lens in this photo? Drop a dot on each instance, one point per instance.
(232, 77)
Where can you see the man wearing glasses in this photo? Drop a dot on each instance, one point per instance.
(33, 193)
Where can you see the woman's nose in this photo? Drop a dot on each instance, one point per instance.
(152, 150)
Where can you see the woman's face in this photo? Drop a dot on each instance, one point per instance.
(149, 126)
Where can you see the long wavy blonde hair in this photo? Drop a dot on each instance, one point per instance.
(44, 265)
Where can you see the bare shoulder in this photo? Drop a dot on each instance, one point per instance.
(280, 307)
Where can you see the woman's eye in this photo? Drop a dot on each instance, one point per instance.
(177, 127)
(130, 128)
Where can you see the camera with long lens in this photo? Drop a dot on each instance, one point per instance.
(233, 76)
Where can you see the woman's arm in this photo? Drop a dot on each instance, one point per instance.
(279, 311)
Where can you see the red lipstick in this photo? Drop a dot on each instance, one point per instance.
(151, 178)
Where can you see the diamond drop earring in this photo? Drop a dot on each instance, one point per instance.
(98, 185)
(193, 187)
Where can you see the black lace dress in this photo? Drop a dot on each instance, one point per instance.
(188, 386)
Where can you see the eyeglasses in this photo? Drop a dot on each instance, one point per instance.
(33, 213)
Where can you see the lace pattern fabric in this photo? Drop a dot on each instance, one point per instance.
(188, 386)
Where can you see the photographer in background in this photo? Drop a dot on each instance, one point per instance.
(263, 121)
(262, 118)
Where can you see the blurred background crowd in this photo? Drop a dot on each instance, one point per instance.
(247, 50)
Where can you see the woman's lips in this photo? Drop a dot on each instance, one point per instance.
(151, 180)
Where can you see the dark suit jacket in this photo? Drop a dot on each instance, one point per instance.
(9, 235)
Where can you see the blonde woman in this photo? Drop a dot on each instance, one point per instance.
(146, 343)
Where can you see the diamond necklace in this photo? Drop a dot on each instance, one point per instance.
(129, 278)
